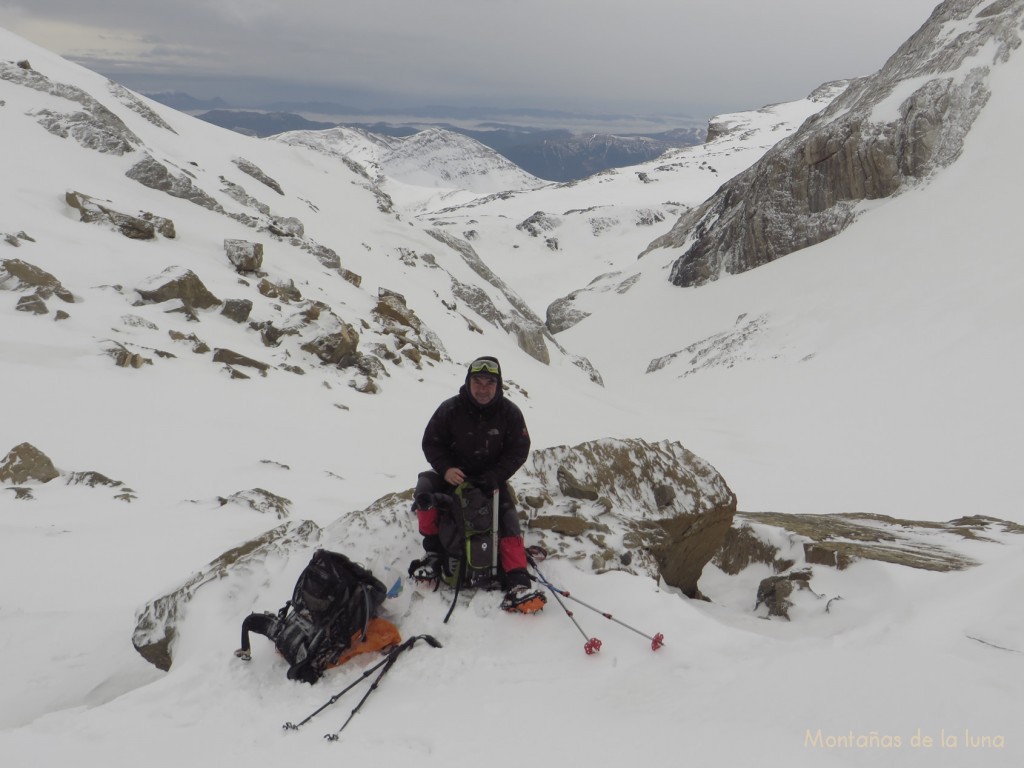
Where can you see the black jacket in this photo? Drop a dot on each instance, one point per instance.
(478, 440)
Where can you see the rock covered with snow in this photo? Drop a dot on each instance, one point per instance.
(881, 136)
(795, 548)
(144, 226)
(25, 463)
(245, 255)
(653, 508)
(177, 283)
(246, 568)
(650, 508)
(19, 275)
(430, 158)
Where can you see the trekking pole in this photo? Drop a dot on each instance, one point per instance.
(592, 644)
(657, 640)
(386, 662)
(494, 534)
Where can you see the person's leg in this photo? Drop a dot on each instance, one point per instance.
(427, 484)
(427, 570)
(511, 550)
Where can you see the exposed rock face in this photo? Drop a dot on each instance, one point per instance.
(539, 224)
(884, 134)
(795, 547)
(232, 359)
(142, 227)
(155, 175)
(138, 106)
(237, 309)
(337, 346)
(25, 463)
(261, 500)
(521, 321)
(246, 255)
(562, 314)
(177, 283)
(125, 358)
(19, 275)
(656, 507)
(285, 290)
(839, 540)
(254, 170)
(95, 128)
(774, 592)
(413, 339)
(33, 304)
(287, 226)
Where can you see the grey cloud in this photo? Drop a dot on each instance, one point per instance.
(578, 54)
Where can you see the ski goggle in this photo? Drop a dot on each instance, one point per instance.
(484, 366)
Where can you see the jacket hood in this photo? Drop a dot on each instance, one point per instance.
(470, 372)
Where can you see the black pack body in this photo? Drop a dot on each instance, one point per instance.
(466, 531)
(333, 600)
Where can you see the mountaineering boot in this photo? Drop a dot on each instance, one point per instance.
(522, 599)
(426, 571)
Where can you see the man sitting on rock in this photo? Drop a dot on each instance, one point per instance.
(477, 436)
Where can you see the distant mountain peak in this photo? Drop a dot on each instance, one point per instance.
(883, 135)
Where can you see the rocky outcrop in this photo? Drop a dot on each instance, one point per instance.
(135, 104)
(18, 275)
(126, 358)
(653, 508)
(840, 540)
(337, 342)
(254, 170)
(33, 304)
(538, 224)
(94, 127)
(774, 592)
(235, 359)
(284, 290)
(245, 255)
(17, 239)
(260, 500)
(177, 283)
(287, 227)
(25, 463)
(881, 136)
(237, 309)
(151, 173)
(562, 314)
(520, 321)
(145, 226)
(413, 340)
(796, 546)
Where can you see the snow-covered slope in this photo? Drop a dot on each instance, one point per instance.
(546, 240)
(432, 158)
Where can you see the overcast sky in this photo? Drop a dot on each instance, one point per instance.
(697, 57)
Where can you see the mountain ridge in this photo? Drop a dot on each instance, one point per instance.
(551, 153)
